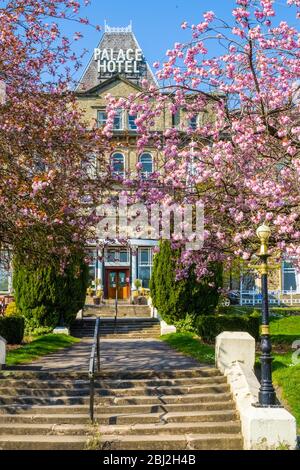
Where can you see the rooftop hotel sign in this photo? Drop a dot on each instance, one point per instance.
(112, 61)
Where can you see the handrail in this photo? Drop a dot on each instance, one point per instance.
(95, 353)
(116, 311)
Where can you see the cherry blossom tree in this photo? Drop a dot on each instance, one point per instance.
(48, 187)
(242, 160)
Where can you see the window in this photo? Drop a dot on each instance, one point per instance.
(4, 279)
(92, 267)
(131, 122)
(147, 164)
(289, 277)
(176, 119)
(145, 266)
(111, 256)
(124, 256)
(101, 118)
(118, 164)
(118, 121)
(117, 256)
(194, 122)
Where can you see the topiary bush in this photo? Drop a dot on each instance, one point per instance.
(44, 296)
(208, 327)
(176, 299)
(12, 329)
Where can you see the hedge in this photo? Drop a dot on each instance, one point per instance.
(12, 329)
(208, 327)
(243, 310)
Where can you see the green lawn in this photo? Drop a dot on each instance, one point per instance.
(190, 345)
(286, 375)
(39, 347)
(285, 330)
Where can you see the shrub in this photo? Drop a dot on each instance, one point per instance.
(12, 329)
(11, 310)
(208, 327)
(40, 331)
(186, 325)
(43, 295)
(176, 299)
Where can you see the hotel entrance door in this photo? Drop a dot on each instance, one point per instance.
(117, 280)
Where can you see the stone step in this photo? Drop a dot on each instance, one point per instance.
(46, 392)
(174, 417)
(23, 442)
(31, 400)
(204, 371)
(158, 374)
(111, 314)
(128, 331)
(26, 418)
(83, 410)
(43, 375)
(164, 399)
(172, 442)
(161, 382)
(40, 429)
(148, 391)
(227, 427)
(158, 391)
(40, 384)
(130, 337)
(168, 408)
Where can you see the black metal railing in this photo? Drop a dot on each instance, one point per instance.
(93, 364)
(116, 311)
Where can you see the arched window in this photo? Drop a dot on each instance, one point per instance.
(118, 164)
(146, 161)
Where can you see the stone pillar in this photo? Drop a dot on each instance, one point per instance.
(134, 250)
(262, 428)
(2, 352)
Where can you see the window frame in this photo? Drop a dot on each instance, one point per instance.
(118, 173)
(120, 113)
(101, 111)
(146, 174)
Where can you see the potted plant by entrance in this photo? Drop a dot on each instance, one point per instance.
(98, 297)
(89, 295)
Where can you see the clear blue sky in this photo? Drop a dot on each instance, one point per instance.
(156, 23)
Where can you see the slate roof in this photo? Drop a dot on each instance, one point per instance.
(114, 40)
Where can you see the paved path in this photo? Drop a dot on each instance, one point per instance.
(114, 354)
(142, 354)
(75, 358)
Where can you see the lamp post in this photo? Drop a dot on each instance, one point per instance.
(267, 395)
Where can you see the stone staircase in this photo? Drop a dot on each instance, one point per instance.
(44, 411)
(129, 328)
(167, 410)
(125, 328)
(124, 311)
